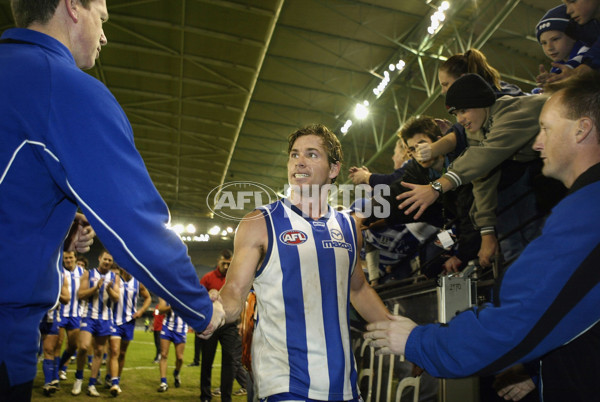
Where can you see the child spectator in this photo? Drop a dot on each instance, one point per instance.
(556, 33)
(586, 14)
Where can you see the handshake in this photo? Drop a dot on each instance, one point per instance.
(218, 316)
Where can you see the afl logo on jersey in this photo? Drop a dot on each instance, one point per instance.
(292, 237)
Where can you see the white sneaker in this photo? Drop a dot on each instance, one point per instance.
(77, 387)
(48, 389)
(62, 375)
(163, 387)
(115, 390)
(92, 391)
(55, 384)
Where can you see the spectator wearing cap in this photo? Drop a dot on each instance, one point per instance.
(500, 134)
(556, 33)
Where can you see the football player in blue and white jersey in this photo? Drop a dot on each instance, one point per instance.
(49, 332)
(70, 317)
(174, 331)
(125, 312)
(99, 286)
(301, 256)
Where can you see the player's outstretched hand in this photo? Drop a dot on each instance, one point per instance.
(217, 320)
(514, 383)
(81, 235)
(214, 295)
(391, 335)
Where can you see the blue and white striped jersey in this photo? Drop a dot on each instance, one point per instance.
(73, 307)
(99, 305)
(394, 244)
(125, 308)
(52, 315)
(175, 323)
(301, 341)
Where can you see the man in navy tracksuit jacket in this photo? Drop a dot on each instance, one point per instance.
(546, 314)
(52, 115)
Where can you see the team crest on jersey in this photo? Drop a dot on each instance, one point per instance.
(337, 240)
(336, 235)
(293, 237)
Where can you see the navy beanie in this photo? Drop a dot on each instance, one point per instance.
(555, 19)
(468, 92)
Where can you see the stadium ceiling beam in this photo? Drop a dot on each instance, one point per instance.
(188, 57)
(415, 46)
(273, 106)
(163, 50)
(131, 4)
(156, 157)
(239, 7)
(141, 112)
(167, 143)
(169, 77)
(300, 32)
(261, 59)
(180, 96)
(301, 71)
(205, 139)
(362, 24)
(130, 20)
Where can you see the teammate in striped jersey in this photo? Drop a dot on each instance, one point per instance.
(99, 287)
(125, 313)
(70, 317)
(49, 332)
(174, 331)
(301, 257)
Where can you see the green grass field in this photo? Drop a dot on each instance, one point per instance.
(141, 377)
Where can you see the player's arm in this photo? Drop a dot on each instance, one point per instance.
(249, 247)
(163, 307)
(84, 286)
(113, 289)
(65, 296)
(362, 296)
(147, 300)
